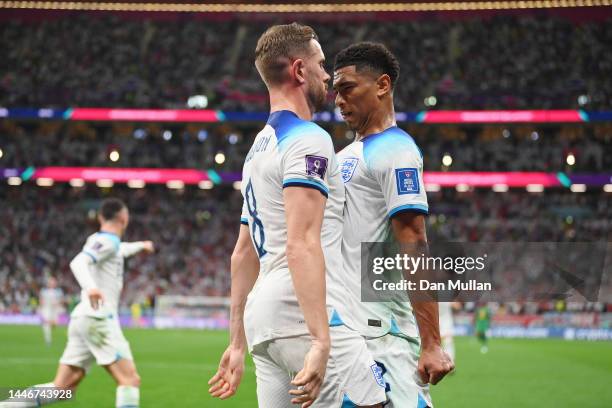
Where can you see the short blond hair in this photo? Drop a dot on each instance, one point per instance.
(277, 46)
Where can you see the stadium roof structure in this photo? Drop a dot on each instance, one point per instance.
(296, 6)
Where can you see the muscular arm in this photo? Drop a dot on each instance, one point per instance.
(304, 209)
(409, 228)
(244, 270)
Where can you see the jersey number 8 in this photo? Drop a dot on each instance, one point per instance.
(257, 228)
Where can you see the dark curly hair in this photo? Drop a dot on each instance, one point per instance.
(371, 56)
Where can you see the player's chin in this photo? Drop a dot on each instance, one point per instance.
(350, 122)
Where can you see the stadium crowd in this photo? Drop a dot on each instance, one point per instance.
(476, 148)
(518, 61)
(41, 229)
(102, 60)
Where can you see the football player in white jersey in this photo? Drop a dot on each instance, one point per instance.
(94, 332)
(51, 305)
(289, 305)
(386, 201)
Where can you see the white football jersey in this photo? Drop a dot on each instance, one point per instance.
(106, 272)
(51, 298)
(383, 176)
(289, 151)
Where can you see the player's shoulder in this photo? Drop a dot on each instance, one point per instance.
(289, 129)
(381, 148)
(102, 239)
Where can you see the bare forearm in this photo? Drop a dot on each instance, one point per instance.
(411, 234)
(244, 270)
(426, 314)
(237, 334)
(425, 306)
(307, 267)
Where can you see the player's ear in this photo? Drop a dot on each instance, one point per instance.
(384, 85)
(297, 71)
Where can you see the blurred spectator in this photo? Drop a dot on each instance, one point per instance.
(194, 231)
(475, 148)
(41, 229)
(519, 61)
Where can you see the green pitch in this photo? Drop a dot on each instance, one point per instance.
(176, 364)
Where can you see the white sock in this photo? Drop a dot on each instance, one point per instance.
(33, 403)
(50, 385)
(128, 396)
(47, 332)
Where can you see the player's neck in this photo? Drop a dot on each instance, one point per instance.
(378, 121)
(111, 228)
(291, 100)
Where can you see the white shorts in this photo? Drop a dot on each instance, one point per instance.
(49, 315)
(351, 375)
(81, 352)
(398, 358)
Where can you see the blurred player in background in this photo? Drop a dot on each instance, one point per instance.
(51, 306)
(136, 311)
(288, 254)
(446, 328)
(385, 200)
(94, 332)
(482, 322)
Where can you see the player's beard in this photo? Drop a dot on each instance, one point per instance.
(316, 97)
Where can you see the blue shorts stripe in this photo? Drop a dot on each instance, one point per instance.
(347, 403)
(422, 403)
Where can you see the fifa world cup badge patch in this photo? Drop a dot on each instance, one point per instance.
(316, 166)
(348, 167)
(407, 181)
(378, 376)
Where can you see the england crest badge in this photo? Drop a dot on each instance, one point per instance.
(348, 167)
